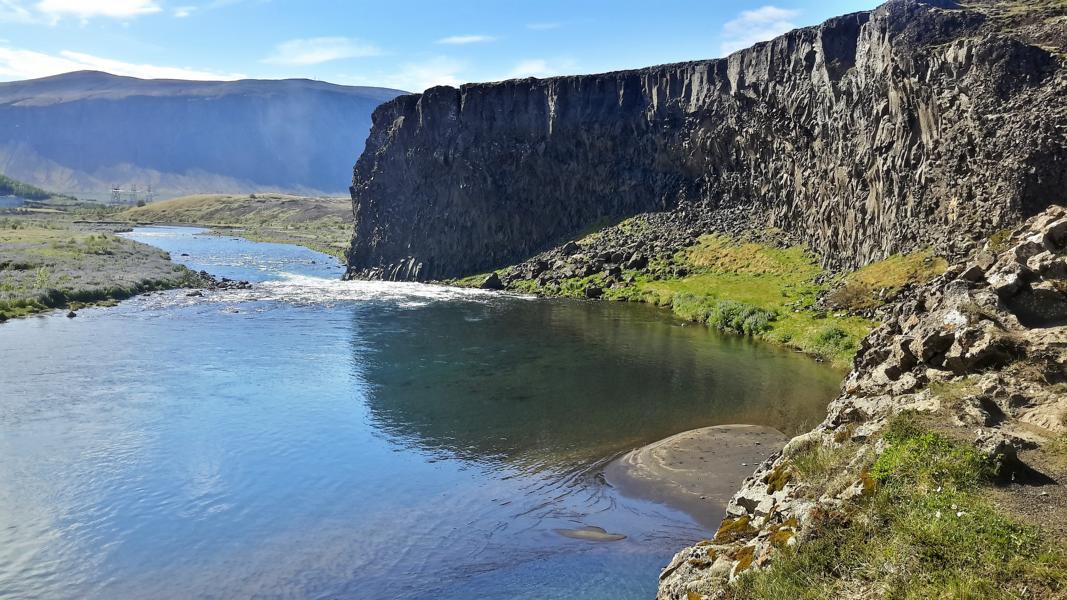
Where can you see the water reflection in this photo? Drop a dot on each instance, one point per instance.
(317, 438)
(548, 382)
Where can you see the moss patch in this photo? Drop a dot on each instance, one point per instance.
(737, 287)
(778, 478)
(744, 557)
(735, 529)
(869, 286)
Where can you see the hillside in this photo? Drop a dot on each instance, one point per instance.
(322, 224)
(12, 187)
(83, 133)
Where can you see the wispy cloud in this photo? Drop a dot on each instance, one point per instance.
(314, 51)
(543, 26)
(51, 12)
(17, 63)
(87, 9)
(757, 25)
(182, 12)
(539, 67)
(12, 11)
(457, 40)
(416, 76)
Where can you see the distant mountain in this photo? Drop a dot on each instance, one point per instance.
(84, 132)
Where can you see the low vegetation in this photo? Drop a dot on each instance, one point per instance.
(736, 287)
(322, 224)
(927, 527)
(12, 187)
(870, 286)
(47, 264)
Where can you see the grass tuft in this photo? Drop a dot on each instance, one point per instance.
(926, 530)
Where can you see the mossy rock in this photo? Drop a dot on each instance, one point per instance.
(778, 478)
(732, 530)
(780, 538)
(744, 557)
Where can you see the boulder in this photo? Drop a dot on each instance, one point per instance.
(492, 282)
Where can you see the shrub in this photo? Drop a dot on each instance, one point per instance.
(727, 316)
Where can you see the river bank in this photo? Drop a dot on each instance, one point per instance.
(320, 224)
(696, 471)
(49, 264)
(938, 471)
(753, 283)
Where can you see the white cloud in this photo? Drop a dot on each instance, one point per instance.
(543, 26)
(313, 51)
(86, 9)
(466, 39)
(27, 64)
(182, 12)
(757, 25)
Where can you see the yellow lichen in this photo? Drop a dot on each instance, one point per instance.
(744, 557)
(732, 530)
(780, 538)
(777, 479)
(869, 484)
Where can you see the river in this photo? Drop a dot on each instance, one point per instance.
(317, 438)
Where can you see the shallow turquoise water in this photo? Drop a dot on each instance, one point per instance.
(317, 438)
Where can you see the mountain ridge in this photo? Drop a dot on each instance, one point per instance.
(83, 132)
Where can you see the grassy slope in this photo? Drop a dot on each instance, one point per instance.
(322, 224)
(12, 187)
(48, 264)
(927, 526)
(867, 287)
(755, 289)
(781, 282)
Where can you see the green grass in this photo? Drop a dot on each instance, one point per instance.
(45, 265)
(776, 287)
(927, 530)
(865, 288)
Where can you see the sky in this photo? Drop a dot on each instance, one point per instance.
(403, 44)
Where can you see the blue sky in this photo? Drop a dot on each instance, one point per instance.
(405, 44)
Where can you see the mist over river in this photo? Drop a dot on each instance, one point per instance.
(317, 438)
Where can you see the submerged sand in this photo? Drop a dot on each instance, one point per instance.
(696, 471)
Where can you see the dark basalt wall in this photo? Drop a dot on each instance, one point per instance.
(916, 124)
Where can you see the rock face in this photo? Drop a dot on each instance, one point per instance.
(920, 123)
(993, 329)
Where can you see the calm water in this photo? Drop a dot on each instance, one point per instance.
(317, 438)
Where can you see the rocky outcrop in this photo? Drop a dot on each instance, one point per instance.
(921, 123)
(984, 347)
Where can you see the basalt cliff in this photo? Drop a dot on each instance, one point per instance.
(919, 124)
